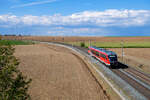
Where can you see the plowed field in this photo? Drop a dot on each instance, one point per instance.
(57, 74)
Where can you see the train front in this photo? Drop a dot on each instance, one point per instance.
(113, 59)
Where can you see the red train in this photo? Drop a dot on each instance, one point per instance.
(107, 57)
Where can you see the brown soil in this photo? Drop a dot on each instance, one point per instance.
(75, 38)
(57, 74)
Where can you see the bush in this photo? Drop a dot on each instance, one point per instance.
(13, 85)
(82, 44)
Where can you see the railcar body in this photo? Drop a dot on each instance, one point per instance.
(107, 57)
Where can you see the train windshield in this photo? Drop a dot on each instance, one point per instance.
(113, 58)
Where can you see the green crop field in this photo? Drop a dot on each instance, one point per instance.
(141, 44)
(15, 42)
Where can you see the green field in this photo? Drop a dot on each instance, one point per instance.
(15, 42)
(141, 44)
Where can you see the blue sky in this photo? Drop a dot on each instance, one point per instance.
(75, 17)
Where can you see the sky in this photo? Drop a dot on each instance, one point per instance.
(75, 17)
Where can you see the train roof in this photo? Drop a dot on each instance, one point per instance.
(103, 50)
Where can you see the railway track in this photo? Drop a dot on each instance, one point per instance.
(131, 79)
(137, 79)
(144, 78)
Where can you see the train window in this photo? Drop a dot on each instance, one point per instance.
(113, 58)
(97, 53)
(93, 51)
(102, 55)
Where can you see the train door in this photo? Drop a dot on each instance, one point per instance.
(100, 56)
(107, 60)
(97, 54)
(103, 57)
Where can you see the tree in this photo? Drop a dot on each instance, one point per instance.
(0, 36)
(13, 85)
(82, 44)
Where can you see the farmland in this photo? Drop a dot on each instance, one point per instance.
(141, 44)
(134, 46)
(58, 83)
(105, 42)
(57, 74)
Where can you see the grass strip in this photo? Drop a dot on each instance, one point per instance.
(15, 42)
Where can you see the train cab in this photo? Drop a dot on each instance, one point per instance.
(113, 60)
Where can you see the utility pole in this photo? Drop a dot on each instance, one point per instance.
(122, 43)
(89, 42)
(63, 39)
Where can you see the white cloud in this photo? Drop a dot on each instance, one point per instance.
(33, 3)
(113, 17)
(74, 30)
(9, 19)
(106, 18)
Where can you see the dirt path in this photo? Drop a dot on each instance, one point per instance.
(57, 74)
